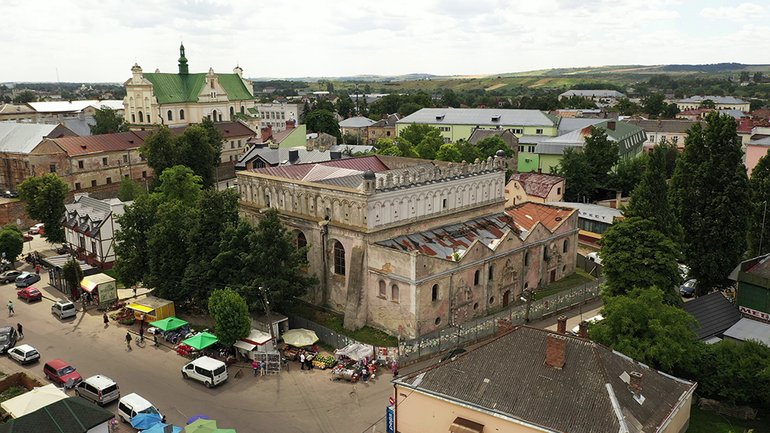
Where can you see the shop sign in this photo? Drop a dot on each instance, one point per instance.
(755, 313)
(390, 420)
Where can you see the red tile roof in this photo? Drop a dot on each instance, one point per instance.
(537, 184)
(527, 215)
(99, 143)
(227, 129)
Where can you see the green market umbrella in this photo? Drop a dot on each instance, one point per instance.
(201, 341)
(202, 426)
(168, 324)
(225, 430)
(299, 337)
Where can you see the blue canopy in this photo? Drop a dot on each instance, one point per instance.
(144, 421)
(158, 428)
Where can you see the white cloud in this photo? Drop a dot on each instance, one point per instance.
(741, 12)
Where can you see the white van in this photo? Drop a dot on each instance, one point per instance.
(99, 389)
(207, 370)
(133, 404)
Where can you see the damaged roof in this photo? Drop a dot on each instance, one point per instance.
(537, 184)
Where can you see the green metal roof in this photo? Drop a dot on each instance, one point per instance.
(175, 88)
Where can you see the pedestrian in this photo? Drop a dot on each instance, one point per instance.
(141, 334)
(262, 367)
(302, 360)
(37, 269)
(106, 320)
(134, 291)
(394, 368)
(10, 308)
(128, 340)
(255, 366)
(20, 330)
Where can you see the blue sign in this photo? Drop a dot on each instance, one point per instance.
(390, 420)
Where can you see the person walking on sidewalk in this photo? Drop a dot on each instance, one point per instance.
(10, 308)
(20, 330)
(128, 340)
(106, 320)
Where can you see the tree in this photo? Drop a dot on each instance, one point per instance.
(11, 243)
(758, 77)
(759, 225)
(636, 255)
(72, 273)
(734, 372)
(345, 106)
(416, 134)
(649, 200)
(408, 108)
(587, 171)
(168, 250)
(323, 121)
(645, 328)
(654, 105)
(199, 149)
(130, 189)
(578, 174)
(132, 240)
(160, 150)
(25, 97)
(601, 153)
(448, 152)
(669, 111)
(744, 76)
(450, 99)
(108, 121)
(627, 108)
(490, 145)
(707, 103)
(627, 174)
(44, 196)
(710, 197)
(180, 183)
(230, 314)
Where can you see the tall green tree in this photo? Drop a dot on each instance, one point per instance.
(578, 174)
(130, 189)
(132, 240)
(323, 121)
(230, 314)
(649, 200)
(636, 255)
(710, 198)
(645, 328)
(108, 121)
(180, 183)
(448, 152)
(160, 150)
(654, 105)
(627, 174)
(588, 171)
(44, 196)
(345, 106)
(72, 272)
(734, 372)
(168, 250)
(759, 224)
(11, 243)
(199, 149)
(490, 145)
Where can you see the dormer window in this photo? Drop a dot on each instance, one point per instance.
(440, 116)
(496, 117)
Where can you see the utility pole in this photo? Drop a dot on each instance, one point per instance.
(267, 312)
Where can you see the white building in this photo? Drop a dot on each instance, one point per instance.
(720, 103)
(276, 114)
(90, 226)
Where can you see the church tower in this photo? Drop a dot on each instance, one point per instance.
(182, 61)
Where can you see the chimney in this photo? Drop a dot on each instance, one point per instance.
(267, 133)
(293, 156)
(291, 124)
(583, 329)
(561, 325)
(635, 382)
(611, 125)
(555, 350)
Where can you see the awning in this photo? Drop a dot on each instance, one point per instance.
(88, 285)
(244, 345)
(141, 308)
(462, 425)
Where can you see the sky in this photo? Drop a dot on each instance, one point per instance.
(99, 40)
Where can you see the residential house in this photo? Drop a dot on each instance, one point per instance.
(183, 98)
(292, 136)
(60, 110)
(93, 161)
(277, 115)
(235, 138)
(395, 241)
(90, 226)
(714, 314)
(756, 147)
(600, 96)
(71, 415)
(673, 131)
(535, 380)
(356, 127)
(16, 112)
(534, 187)
(459, 123)
(383, 128)
(17, 140)
(508, 137)
(323, 141)
(720, 103)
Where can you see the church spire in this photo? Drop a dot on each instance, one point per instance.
(182, 61)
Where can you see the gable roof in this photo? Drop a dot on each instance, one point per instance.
(71, 415)
(175, 88)
(537, 184)
(75, 146)
(714, 313)
(508, 378)
(230, 129)
(597, 93)
(23, 137)
(356, 122)
(75, 106)
(479, 116)
(697, 99)
(661, 125)
(300, 171)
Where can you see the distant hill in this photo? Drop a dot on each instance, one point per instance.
(355, 78)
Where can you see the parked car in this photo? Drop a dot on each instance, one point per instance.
(61, 373)
(133, 404)
(99, 389)
(10, 194)
(687, 289)
(26, 279)
(36, 229)
(210, 371)
(29, 294)
(63, 309)
(9, 276)
(24, 354)
(590, 321)
(8, 337)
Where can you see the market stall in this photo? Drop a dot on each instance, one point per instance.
(356, 352)
(55, 265)
(101, 288)
(152, 309)
(298, 341)
(257, 342)
(172, 329)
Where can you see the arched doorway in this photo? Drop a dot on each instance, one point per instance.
(506, 298)
(214, 115)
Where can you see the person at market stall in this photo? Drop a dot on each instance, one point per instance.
(302, 360)
(255, 366)
(262, 367)
(309, 360)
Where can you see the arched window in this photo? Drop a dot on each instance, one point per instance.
(243, 109)
(339, 258)
(141, 117)
(181, 114)
(526, 258)
(382, 290)
(565, 248)
(133, 118)
(232, 112)
(214, 115)
(301, 240)
(476, 278)
(491, 273)
(434, 293)
(169, 115)
(394, 293)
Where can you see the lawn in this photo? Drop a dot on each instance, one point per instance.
(577, 279)
(712, 422)
(334, 321)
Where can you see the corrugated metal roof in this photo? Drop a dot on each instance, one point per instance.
(714, 314)
(593, 93)
(356, 122)
(22, 137)
(592, 211)
(750, 330)
(75, 106)
(99, 143)
(478, 116)
(508, 376)
(697, 99)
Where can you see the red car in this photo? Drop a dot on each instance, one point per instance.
(30, 294)
(61, 373)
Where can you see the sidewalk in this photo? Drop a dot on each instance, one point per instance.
(574, 316)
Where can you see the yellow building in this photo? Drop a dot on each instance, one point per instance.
(534, 380)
